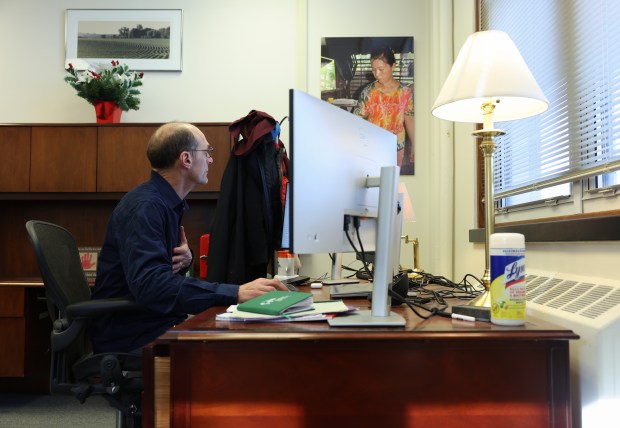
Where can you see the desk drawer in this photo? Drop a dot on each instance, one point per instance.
(12, 337)
(11, 302)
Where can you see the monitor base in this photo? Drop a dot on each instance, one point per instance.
(366, 319)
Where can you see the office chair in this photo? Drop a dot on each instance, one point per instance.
(75, 370)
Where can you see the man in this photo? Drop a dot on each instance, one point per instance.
(145, 254)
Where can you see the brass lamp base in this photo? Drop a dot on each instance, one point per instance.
(415, 274)
(480, 313)
(480, 306)
(416, 271)
(481, 301)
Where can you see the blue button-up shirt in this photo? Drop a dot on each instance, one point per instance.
(136, 261)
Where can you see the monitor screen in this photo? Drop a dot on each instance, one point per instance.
(343, 166)
(332, 153)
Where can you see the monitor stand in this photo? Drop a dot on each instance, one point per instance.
(366, 319)
(386, 253)
(337, 266)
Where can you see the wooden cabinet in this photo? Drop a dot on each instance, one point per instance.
(12, 331)
(63, 159)
(73, 175)
(122, 162)
(90, 158)
(122, 149)
(15, 159)
(24, 335)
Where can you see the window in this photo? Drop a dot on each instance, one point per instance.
(565, 161)
(328, 74)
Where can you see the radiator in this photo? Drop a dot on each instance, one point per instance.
(591, 308)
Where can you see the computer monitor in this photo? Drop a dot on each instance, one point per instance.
(343, 165)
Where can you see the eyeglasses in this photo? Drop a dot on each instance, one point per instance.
(208, 151)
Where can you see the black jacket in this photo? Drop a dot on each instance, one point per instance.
(247, 227)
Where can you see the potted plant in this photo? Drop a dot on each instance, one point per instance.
(111, 88)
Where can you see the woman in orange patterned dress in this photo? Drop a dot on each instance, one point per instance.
(388, 103)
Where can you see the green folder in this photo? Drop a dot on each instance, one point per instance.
(278, 302)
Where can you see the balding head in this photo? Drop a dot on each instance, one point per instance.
(169, 141)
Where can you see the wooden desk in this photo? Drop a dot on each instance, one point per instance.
(24, 334)
(431, 373)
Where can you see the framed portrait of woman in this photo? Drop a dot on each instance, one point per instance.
(373, 77)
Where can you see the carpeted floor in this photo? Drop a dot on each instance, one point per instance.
(45, 411)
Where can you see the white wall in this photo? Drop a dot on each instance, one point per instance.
(240, 55)
(237, 55)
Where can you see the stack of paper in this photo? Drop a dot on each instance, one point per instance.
(321, 311)
(278, 302)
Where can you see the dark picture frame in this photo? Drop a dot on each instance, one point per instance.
(345, 71)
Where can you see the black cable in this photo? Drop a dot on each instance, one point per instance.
(442, 287)
(355, 271)
(412, 304)
(356, 225)
(463, 290)
(431, 289)
(357, 253)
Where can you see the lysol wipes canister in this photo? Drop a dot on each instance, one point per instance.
(507, 253)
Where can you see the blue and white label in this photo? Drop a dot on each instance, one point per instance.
(508, 290)
(514, 272)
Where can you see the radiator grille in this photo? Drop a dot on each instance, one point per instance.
(585, 299)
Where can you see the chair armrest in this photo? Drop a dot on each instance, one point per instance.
(95, 308)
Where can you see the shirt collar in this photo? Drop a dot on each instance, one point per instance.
(169, 194)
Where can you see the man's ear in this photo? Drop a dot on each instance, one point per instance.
(185, 159)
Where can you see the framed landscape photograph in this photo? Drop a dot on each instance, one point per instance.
(144, 39)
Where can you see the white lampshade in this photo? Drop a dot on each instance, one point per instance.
(489, 67)
(408, 212)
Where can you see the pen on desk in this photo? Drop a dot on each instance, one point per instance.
(463, 317)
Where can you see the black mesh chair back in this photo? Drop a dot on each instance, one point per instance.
(59, 262)
(65, 284)
(74, 369)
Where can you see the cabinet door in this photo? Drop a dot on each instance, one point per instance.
(219, 137)
(64, 159)
(12, 331)
(121, 160)
(15, 159)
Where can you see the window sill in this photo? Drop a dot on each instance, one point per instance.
(582, 229)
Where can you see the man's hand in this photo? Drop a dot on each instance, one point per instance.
(258, 287)
(181, 255)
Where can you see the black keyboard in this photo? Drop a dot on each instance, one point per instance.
(291, 287)
(291, 283)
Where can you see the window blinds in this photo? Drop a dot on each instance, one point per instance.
(573, 49)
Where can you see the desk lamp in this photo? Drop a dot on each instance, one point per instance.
(409, 217)
(489, 81)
